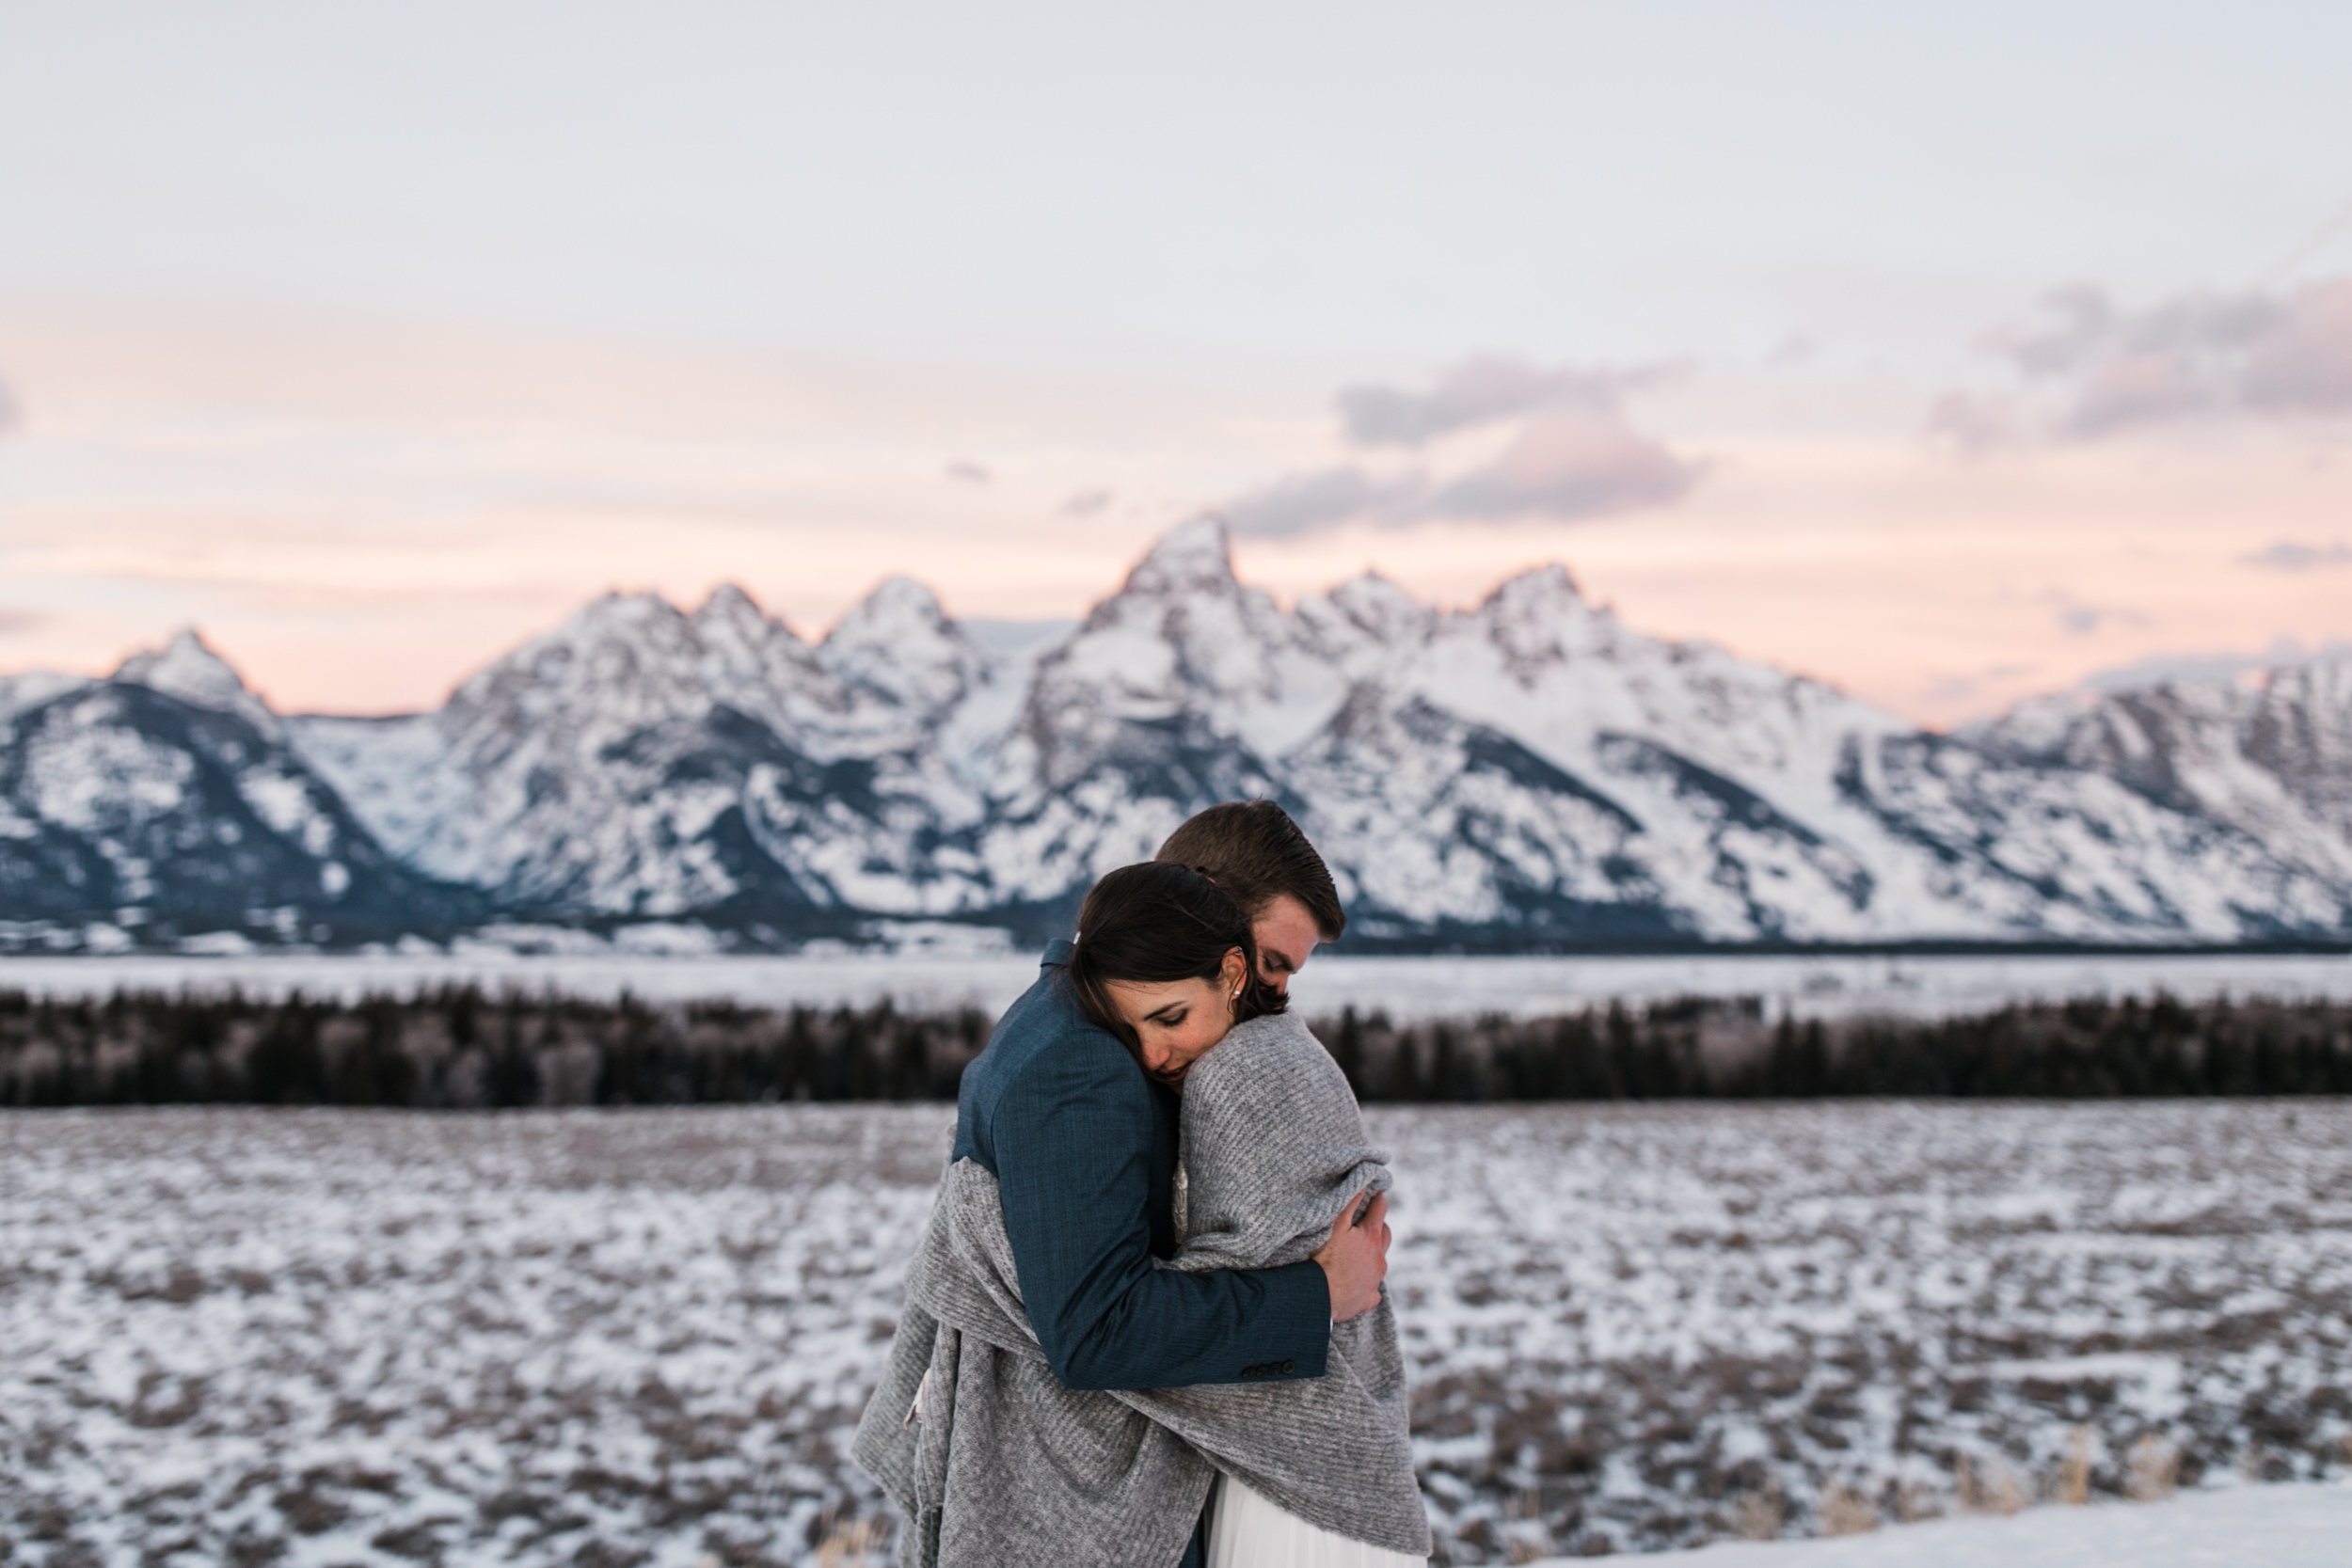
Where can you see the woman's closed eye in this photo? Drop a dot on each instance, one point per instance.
(1170, 1018)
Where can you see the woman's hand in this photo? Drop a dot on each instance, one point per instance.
(1356, 1258)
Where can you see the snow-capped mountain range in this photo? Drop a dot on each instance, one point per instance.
(1527, 774)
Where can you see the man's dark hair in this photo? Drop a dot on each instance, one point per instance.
(1256, 853)
(1157, 923)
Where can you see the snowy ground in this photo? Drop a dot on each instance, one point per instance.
(1409, 990)
(319, 1337)
(2273, 1527)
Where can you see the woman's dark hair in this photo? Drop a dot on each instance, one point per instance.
(1155, 922)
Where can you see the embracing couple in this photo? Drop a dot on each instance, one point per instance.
(1145, 1325)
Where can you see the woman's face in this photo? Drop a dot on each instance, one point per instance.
(1176, 1022)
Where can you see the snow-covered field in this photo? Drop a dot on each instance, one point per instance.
(2303, 1526)
(314, 1338)
(1409, 990)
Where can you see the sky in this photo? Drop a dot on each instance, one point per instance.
(1951, 355)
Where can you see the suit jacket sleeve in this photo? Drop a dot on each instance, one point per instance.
(1072, 1140)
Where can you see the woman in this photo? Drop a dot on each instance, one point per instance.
(1273, 1146)
(993, 1458)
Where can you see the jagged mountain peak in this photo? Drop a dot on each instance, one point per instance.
(188, 668)
(619, 606)
(1541, 618)
(897, 604)
(2035, 729)
(729, 606)
(745, 650)
(1379, 606)
(1367, 624)
(1547, 586)
(620, 659)
(1191, 558)
(899, 643)
(1527, 771)
(641, 624)
(730, 596)
(2323, 680)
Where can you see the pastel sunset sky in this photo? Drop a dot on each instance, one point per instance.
(1949, 353)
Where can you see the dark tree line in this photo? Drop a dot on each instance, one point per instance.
(459, 1048)
(1696, 1049)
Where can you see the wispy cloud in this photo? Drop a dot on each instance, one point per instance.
(1973, 423)
(1574, 454)
(12, 412)
(1569, 465)
(1483, 390)
(1086, 502)
(969, 472)
(1303, 503)
(2100, 369)
(2082, 620)
(2292, 555)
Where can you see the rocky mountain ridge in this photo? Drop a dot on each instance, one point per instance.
(1526, 774)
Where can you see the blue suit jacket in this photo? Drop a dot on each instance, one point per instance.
(1083, 1146)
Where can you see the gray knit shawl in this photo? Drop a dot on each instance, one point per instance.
(1003, 1463)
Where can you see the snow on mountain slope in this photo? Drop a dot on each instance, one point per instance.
(1533, 769)
(1432, 820)
(1526, 772)
(1180, 637)
(2276, 764)
(125, 805)
(188, 669)
(30, 689)
(897, 650)
(1680, 790)
(2301, 733)
(642, 762)
(2078, 856)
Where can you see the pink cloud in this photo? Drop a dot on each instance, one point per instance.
(1482, 390)
(2196, 357)
(1569, 465)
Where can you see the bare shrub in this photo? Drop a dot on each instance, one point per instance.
(1526, 1539)
(2153, 1471)
(2074, 1477)
(1990, 1486)
(850, 1545)
(1847, 1512)
(1757, 1516)
(1915, 1503)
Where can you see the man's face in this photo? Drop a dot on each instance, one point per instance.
(1286, 935)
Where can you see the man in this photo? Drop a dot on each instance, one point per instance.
(1255, 853)
(1083, 1146)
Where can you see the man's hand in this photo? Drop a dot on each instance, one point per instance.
(1356, 1258)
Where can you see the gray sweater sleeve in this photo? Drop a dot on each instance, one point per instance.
(1272, 1147)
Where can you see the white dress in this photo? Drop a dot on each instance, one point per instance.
(1249, 1531)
